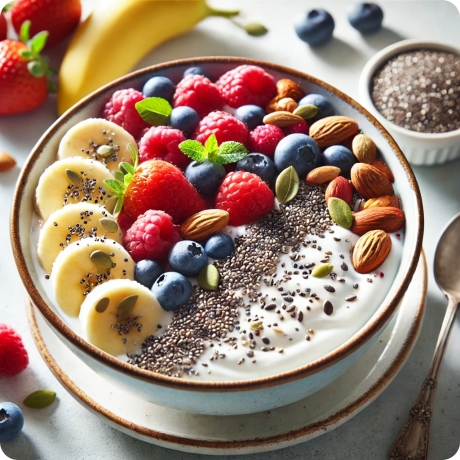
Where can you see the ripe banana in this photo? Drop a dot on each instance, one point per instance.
(72, 223)
(78, 270)
(117, 35)
(98, 139)
(102, 326)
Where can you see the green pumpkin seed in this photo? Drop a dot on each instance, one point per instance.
(105, 151)
(287, 185)
(322, 270)
(101, 259)
(209, 278)
(340, 212)
(306, 111)
(73, 177)
(255, 29)
(257, 326)
(102, 305)
(110, 204)
(40, 399)
(109, 225)
(125, 307)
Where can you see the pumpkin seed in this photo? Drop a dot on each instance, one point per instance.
(125, 307)
(255, 29)
(105, 151)
(109, 225)
(287, 185)
(340, 212)
(209, 278)
(322, 270)
(102, 305)
(306, 111)
(101, 259)
(40, 399)
(73, 177)
(110, 204)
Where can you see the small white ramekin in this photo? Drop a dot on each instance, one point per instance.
(419, 148)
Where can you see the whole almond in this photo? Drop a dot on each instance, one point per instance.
(204, 224)
(364, 149)
(333, 130)
(388, 219)
(322, 175)
(289, 88)
(279, 103)
(6, 162)
(387, 201)
(340, 188)
(282, 119)
(381, 166)
(370, 251)
(369, 181)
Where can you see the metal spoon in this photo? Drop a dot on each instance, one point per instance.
(412, 443)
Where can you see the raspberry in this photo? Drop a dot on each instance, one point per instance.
(247, 84)
(245, 196)
(122, 111)
(301, 127)
(151, 236)
(13, 355)
(161, 186)
(225, 126)
(264, 139)
(199, 93)
(162, 143)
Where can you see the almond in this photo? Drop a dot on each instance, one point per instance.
(333, 130)
(282, 119)
(370, 251)
(279, 103)
(340, 188)
(388, 219)
(364, 149)
(369, 181)
(322, 175)
(203, 224)
(387, 201)
(289, 88)
(381, 166)
(6, 162)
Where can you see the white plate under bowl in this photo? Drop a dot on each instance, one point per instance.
(243, 434)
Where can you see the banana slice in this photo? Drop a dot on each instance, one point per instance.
(72, 223)
(77, 270)
(55, 188)
(86, 138)
(104, 329)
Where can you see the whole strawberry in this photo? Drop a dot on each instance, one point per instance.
(13, 355)
(58, 17)
(3, 27)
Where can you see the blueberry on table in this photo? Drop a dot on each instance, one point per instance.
(219, 246)
(252, 115)
(11, 421)
(197, 70)
(206, 177)
(159, 87)
(315, 27)
(172, 290)
(259, 164)
(341, 157)
(366, 17)
(184, 119)
(299, 151)
(187, 257)
(325, 108)
(147, 271)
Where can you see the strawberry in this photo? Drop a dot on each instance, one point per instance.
(3, 27)
(58, 17)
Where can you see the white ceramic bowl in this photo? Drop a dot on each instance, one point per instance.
(219, 398)
(419, 148)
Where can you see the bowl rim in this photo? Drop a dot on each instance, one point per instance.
(377, 61)
(350, 346)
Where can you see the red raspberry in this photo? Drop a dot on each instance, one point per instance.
(301, 127)
(247, 84)
(151, 236)
(264, 139)
(199, 93)
(162, 143)
(245, 196)
(161, 186)
(225, 126)
(122, 111)
(13, 355)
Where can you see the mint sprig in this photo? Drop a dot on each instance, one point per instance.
(227, 152)
(154, 110)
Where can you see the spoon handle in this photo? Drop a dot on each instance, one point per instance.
(413, 440)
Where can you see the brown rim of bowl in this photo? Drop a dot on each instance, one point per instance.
(321, 426)
(338, 354)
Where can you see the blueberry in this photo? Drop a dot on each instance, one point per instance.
(341, 157)
(185, 119)
(147, 271)
(325, 108)
(187, 258)
(252, 115)
(299, 151)
(315, 27)
(259, 164)
(366, 17)
(205, 177)
(11, 421)
(197, 71)
(172, 290)
(219, 246)
(159, 87)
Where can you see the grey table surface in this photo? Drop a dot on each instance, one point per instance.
(67, 430)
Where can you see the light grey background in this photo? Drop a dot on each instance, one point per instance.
(67, 431)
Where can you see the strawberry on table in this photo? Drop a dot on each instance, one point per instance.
(3, 27)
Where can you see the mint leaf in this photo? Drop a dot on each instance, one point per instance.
(119, 176)
(115, 186)
(24, 33)
(211, 144)
(154, 110)
(126, 168)
(38, 42)
(134, 155)
(231, 152)
(194, 150)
